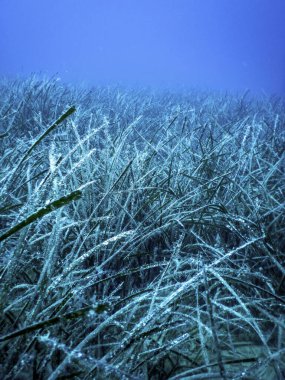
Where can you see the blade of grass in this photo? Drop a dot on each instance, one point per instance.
(42, 212)
(69, 112)
(52, 321)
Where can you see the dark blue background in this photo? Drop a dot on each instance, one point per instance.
(209, 44)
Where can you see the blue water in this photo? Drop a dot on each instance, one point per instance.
(230, 45)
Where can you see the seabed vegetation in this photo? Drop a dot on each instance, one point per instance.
(142, 234)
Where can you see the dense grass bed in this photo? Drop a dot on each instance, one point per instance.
(142, 234)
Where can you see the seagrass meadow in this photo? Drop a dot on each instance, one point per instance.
(142, 233)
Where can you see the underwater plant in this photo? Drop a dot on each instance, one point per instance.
(142, 234)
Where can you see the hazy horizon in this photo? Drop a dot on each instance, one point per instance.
(210, 45)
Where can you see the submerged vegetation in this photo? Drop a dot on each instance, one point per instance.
(142, 235)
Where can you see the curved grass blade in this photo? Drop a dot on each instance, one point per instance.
(52, 321)
(42, 212)
(69, 112)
